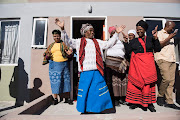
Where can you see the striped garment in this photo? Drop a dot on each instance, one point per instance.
(141, 78)
(63, 47)
(144, 96)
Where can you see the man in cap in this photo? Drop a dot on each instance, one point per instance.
(93, 94)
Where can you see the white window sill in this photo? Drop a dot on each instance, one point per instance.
(8, 64)
(37, 47)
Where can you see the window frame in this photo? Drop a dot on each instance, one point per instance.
(162, 19)
(45, 33)
(89, 18)
(7, 20)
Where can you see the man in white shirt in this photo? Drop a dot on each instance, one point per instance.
(165, 60)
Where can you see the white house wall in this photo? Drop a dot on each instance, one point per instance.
(26, 12)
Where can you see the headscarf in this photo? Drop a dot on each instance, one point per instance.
(132, 31)
(143, 24)
(84, 28)
(111, 29)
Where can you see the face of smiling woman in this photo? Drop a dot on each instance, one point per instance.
(140, 31)
(56, 37)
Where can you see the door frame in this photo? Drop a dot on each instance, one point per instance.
(88, 18)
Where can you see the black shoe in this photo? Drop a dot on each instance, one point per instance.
(151, 108)
(133, 106)
(172, 106)
(116, 103)
(61, 99)
(160, 101)
(66, 100)
(125, 103)
(70, 102)
(121, 101)
(144, 108)
(55, 101)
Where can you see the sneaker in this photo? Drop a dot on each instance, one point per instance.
(151, 108)
(172, 106)
(160, 101)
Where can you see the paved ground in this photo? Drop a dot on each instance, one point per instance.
(6, 107)
(64, 111)
(122, 112)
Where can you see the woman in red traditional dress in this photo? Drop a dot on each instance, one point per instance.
(142, 74)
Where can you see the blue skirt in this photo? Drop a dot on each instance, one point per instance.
(93, 93)
(59, 77)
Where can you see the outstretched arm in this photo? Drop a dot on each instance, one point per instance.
(156, 43)
(125, 37)
(111, 42)
(166, 41)
(69, 42)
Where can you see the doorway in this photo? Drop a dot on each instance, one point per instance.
(100, 30)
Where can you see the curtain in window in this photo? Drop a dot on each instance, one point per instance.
(9, 42)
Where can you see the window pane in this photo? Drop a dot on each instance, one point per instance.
(9, 42)
(177, 27)
(178, 35)
(39, 32)
(152, 24)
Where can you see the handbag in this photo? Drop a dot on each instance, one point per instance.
(13, 89)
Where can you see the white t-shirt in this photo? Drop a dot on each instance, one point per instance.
(117, 50)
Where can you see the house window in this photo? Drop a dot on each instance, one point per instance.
(177, 22)
(9, 35)
(39, 33)
(177, 49)
(153, 22)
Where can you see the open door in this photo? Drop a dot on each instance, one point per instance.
(99, 24)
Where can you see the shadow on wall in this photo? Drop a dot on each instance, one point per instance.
(18, 84)
(35, 91)
(18, 87)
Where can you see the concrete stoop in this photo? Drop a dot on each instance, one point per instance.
(41, 109)
(35, 107)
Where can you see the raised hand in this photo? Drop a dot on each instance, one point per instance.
(172, 35)
(48, 54)
(120, 29)
(59, 23)
(154, 32)
(125, 37)
(69, 51)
